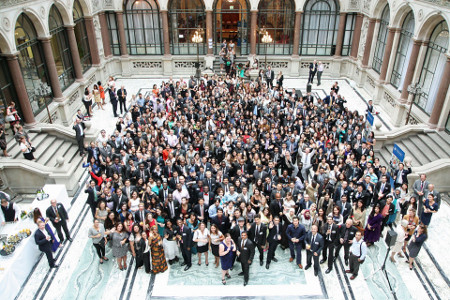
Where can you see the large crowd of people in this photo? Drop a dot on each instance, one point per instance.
(223, 166)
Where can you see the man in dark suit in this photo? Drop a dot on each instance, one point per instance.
(237, 229)
(330, 232)
(59, 218)
(122, 95)
(314, 245)
(382, 189)
(142, 172)
(201, 211)
(270, 75)
(140, 214)
(361, 194)
(340, 191)
(245, 252)
(164, 191)
(79, 128)
(312, 71)
(345, 206)
(401, 175)
(296, 234)
(274, 239)
(185, 238)
(222, 222)
(210, 182)
(346, 234)
(113, 98)
(92, 199)
(117, 198)
(44, 241)
(128, 189)
(257, 234)
(171, 208)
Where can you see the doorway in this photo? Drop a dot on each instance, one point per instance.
(232, 23)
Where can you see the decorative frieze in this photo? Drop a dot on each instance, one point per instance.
(305, 65)
(370, 82)
(187, 64)
(92, 80)
(412, 120)
(74, 97)
(274, 64)
(389, 99)
(147, 65)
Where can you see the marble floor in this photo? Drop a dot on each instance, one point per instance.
(80, 276)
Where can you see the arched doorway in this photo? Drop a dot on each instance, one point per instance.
(232, 22)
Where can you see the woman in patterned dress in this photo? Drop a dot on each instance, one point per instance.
(159, 263)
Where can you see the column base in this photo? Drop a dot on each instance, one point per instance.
(60, 99)
(432, 126)
(125, 56)
(29, 125)
(79, 80)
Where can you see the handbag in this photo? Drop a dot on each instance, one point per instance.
(10, 118)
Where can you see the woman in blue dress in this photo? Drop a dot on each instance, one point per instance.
(37, 215)
(430, 207)
(227, 250)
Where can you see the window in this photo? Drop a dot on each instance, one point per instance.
(61, 50)
(277, 17)
(31, 60)
(350, 20)
(403, 54)
(113, 33)
(381, 40)
(142, 27)
(319, 28)
(186, 17)
(433, 67)
(81, 36)
(7, 90)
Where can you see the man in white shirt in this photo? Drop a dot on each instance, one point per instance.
(358, 252)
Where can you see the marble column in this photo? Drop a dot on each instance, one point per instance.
(51, 67)
(21, 91)
(209, 30)
(357, 35)
(410, 70)
(122, 37)
(387, 53)
(369, 39)
(92, 38)
(74, 53)
(165, 25)
(340, 34)
(253, 33)
(440, 95)
(105, 34)
(297, 25)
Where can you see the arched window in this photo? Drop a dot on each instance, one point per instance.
(232, 24)
(61, 50)
(113, 30)
(381, 40)
(186, 17)
(277, 17)
(31, 60)
(81, 36)
(319, 28)
(404, 49)
(433, 67)
(142, 27)
(7, 90)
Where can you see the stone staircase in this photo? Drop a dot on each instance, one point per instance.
(57, 160)
(239, 59)
(428, 150)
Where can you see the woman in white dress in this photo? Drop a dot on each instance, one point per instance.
(170, 245)
(134, 201)
(202, 238)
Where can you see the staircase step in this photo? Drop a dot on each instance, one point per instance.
(440, 141)
(437, 149)
(415, 159)
(424, 147)
(71, 155)
(385, 155)
(15, 150)
(421, 157)
(47, 149)
(445, 136)
(61, 151)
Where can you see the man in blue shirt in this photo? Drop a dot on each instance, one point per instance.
(296, 234)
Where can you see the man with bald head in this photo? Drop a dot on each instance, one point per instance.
(59, 217)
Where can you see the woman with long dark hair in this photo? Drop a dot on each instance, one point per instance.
(372, 232)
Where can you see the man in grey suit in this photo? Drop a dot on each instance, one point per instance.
(420, 188)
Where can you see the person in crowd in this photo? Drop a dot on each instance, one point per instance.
(27, 149)
(216, 237)
(44, 241)
(202, 238)
(416, 243)
(314, 246)
(184, 238)
(57, 214)
(79, 128)
(119, 238)
(372, 232)
(37, 216)
(98, 235)
(257, 234)
(10, 210)
(346, 234)
(3, 143)
(245, 251)
(402, 233)
(227, 250)
(159, 263)
(358, 253)
(312, 71)
(330, 233)
(12, 116)
(296, 234)
(430, 207)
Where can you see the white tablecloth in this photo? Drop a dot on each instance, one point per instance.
(16, 267)
(54, 191)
